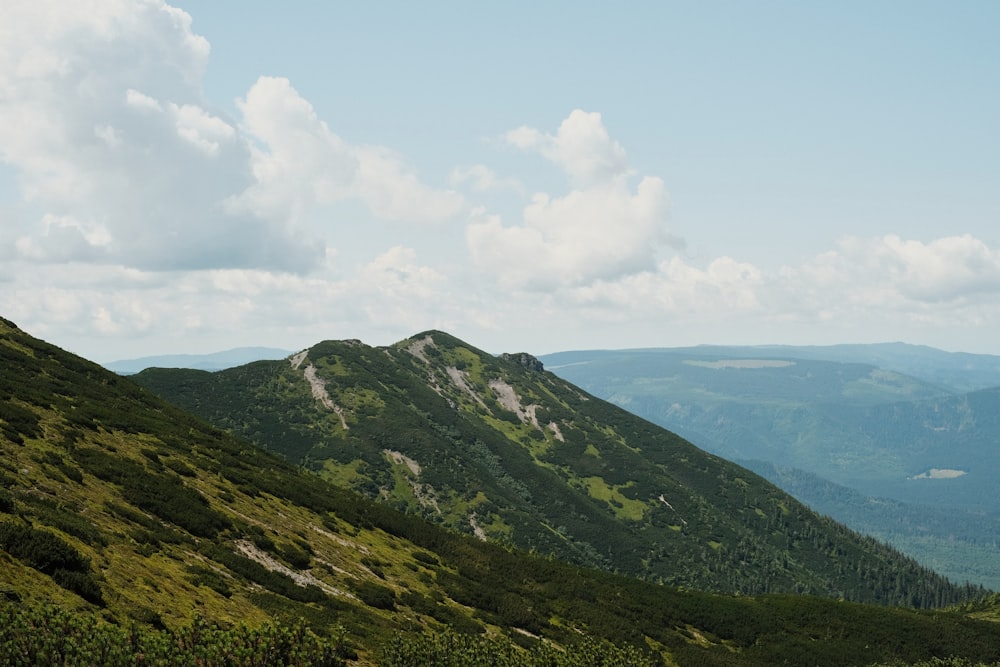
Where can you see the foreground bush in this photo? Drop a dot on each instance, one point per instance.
(454, 650)
(36, 636)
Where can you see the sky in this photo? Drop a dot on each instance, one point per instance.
(208, 174)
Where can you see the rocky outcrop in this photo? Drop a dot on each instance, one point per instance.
(523, 359)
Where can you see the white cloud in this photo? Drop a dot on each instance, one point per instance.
(863, 287)
(395, 193)
(65, 239)
(675, 288)
(398, 293)
(301, 164)
(396, 273)
(137, 100)
(601, 230)
(480, 178)
(581, 147)
(202, 130)
(140, 211)
(889, 271)
(944, 270)
(104, 123)
(392, 295)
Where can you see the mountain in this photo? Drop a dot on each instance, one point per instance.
(953, 372)
(132, 532)
(499, 448)
(871, 429)
(956, 371)
(959, 543)
(855, 424)
(209, 362)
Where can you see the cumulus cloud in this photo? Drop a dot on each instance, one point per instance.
(396, 273)
(140, 211)
(104, 123)
(393, 294)
(581, 146)
(64, 239)
(301, 163)
(946, 279)
(600, 230)
(675, 288)
(862, 285)
(122, 162)
(946, 269)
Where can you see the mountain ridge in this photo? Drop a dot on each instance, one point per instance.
(954, 371)
(175, 537)
(491, 447)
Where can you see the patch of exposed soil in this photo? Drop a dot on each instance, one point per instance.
(251, 551)
(319, 392)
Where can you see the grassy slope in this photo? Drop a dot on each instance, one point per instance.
(486, 445)
(87, 458)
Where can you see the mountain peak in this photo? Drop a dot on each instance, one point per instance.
(489, 446)
(122, 508)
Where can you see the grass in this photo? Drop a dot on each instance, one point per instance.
(623, 507)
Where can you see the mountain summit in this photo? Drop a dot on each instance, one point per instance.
(133, 532)
(501, 449)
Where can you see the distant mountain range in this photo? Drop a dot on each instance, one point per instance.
(919, 429)
(955, 371)
(208, 362)
(132, 531)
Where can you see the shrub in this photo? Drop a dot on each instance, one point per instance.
(375, 595)
(50, 554)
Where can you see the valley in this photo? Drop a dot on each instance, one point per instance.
(907, 446)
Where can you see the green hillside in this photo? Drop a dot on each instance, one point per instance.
(882, 434)
(863, 426)
(959, 543)
(498, 448)
(133, 533)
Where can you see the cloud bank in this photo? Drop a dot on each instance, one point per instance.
(123, 162)
(141, 215)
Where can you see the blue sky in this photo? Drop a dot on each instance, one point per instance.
(529, 176)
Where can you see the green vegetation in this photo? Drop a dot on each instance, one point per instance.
(278, 559)
(454, 650)
(501, 449)
(938, 662)
(50, 554)
(864, 427)
(959, 543)
(31, 636)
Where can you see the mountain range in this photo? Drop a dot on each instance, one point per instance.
(499, 448)
(920, 446)
(120, 508)
(214, 361)
(787, 417)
